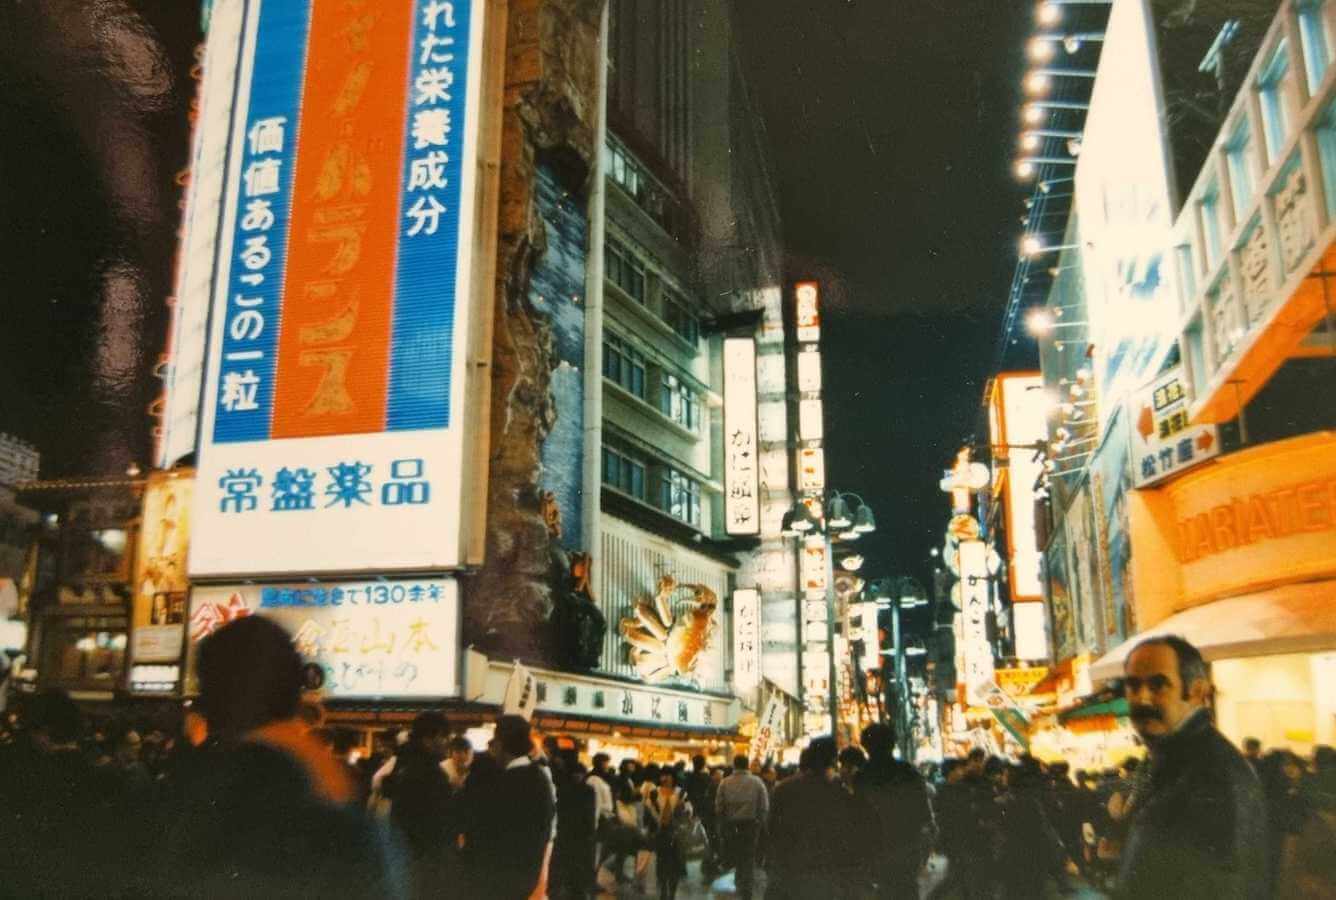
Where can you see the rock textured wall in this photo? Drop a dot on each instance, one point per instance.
(550, 119)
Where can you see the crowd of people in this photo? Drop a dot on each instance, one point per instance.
(246, 796)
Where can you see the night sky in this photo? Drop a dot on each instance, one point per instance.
(891, 123)
(893, 127)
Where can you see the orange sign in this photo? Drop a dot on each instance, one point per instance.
(1293, 509)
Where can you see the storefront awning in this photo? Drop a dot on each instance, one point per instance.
(1295, 618)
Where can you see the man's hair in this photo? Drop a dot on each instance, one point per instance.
(249, 675)
(976, 754)
(669, 772)
(428, 725)
(819, 755)
(698, 762)
(1250, 742)
(513, 736)
(879, 740)
(601, 759)
(459, 744)
(852, 756)
(1191, 665)
(740, 762)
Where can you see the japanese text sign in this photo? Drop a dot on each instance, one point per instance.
(746, 640)
(1164, 442)
(807, 312)
(371, 638)
(742, 505)
(332, 437)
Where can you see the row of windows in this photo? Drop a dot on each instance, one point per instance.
(624, 365)
(624, 269)
(678, 494)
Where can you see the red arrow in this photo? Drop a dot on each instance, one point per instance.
(1146, 423)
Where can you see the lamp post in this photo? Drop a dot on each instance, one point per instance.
(838, 524)
(897, 594)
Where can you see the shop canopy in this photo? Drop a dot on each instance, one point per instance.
(1295, 618)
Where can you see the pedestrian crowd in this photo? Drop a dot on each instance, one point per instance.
(248, 797)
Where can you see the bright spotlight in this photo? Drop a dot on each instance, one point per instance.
(1033, 114)
(1038, 83)
(1040, 50)
(1039, 322)
(1024, 169)
(1049, 13)
(1030, 140)
(1074, 146)
(1030, 245)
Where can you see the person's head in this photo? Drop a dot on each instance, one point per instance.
(513, 739)
(53, 718)
(668, 778)
(1324, 759)
(994, 769)
(429, 733)
(1128, 767)
(1165, 681)
(250, 675)
(129, 748)
(741, 762)
(851, 759)
(879, 740)
(770, 776)
(1252, 748)
(460, 751)
(953, 770)
(1060, 771)
(627, 767)
(601, 761)
(717, 775)
(974, 761)
(818, 758)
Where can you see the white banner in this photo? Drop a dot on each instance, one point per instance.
(742, 506)
(769, 729)
(746, 642)
(521, 693)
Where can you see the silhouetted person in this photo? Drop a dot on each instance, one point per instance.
(742, 805)
(894, 800)
(815, 841)
(419, 795)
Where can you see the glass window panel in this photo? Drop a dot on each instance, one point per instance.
(1313, 33)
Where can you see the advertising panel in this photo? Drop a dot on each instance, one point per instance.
(1083, 568)
(746, 641)
(742, 505)
(810, 415)
(372, 638)
(976, 654)
(333, 414)
(1059, 598)
(158, 605)
(1111, 481)
(809, 371)
(1021, 420)
(811, 470)
(1123, 202)
(814, 568)
(1164, 441)
(808, 312)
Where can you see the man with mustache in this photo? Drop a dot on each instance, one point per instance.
(1198, 819)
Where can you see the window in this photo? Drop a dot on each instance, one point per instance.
(678, 315)
(624, 170)
(1275, 90)
(679, 402)
(1210, 226)
(624, 270)
(624, 471)
(1326, 148)
(1313, 34)
(1241, 156)
(680, 497)
(1187, 275)
(623, 364)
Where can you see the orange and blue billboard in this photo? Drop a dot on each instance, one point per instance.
(333, 384)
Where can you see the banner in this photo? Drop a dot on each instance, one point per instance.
(332, 435)
(521, 693)
(769, 729)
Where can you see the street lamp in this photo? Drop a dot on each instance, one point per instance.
(838, 525)
(898, 594)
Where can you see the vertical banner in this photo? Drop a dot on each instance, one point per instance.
(746, 642)
(332, 439)
(742, 507)
(807, 312)
(977, 669)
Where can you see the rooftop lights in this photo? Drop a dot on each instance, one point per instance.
(1048, 14)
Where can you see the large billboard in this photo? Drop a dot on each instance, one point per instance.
(371, 638)
(1019, 425)
(335, 431)
(742, 503)
(1124, 204)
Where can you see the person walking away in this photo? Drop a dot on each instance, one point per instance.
(1197, 817)
(849, 763)
(1032, 850)
(419, 795)
(273, 814)
(1252, 752)
(573, 852)
(509, 838)
(1288, 809)
(814, 840)
(670, 816)
(742, 805)
(894, 801)
(700, 790)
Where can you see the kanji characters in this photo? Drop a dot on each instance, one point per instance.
(431, 127)
(262, 177)
(433, 85)
(293, 489)
(266, 135)
(407, 485)
(239, 487)
(428, 172)
(348, 484)
(238, 391)
(426, 216)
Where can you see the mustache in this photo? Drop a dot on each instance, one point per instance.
(1145, 713)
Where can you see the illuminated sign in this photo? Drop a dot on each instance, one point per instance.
(808, 312)
(746, 640)
(742, 507)
(809, 371)
(334, 430)
(1164, 441)
(814, 567)
(811, 470)
(1019, 419)
(976, 668)
(810, 415)
(155, 679)
(372, 638)
(158, 605)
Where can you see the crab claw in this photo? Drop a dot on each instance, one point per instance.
(651, 621)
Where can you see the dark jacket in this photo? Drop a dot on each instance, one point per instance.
(813, 830)
(1198, 821)
(419, 794)
(895, 801)
(509, 833)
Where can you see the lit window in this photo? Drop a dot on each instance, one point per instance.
(623, 364)
(678, 402)
(1210, 225)
(680, 497)
(1313, 34)
(1275, 89)
(1241, 156)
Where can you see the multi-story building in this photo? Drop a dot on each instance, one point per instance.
(1189, 335)
(19, 460)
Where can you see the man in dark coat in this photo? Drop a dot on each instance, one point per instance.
(894, 800)
(816, 847)
(1198, 817)
(509, 838)
(420, 801)
(573, 852)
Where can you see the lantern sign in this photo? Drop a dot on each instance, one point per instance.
(811, 470)
(964, 478)
(742, 506)
(808, 312)
(975, 651)
(814, 567)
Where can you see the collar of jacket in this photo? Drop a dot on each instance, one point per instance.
(328, 778)
(1181, 744)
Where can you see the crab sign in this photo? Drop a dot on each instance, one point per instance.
(663, 645)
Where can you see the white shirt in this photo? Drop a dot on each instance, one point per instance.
(602, 796)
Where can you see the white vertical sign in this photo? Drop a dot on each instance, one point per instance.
(742, 507)
(975, 652)
(746, 641)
